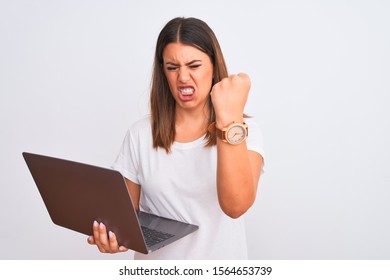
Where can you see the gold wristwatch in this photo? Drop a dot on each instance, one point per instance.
(233, 134)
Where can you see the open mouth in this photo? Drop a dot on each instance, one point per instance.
(186, 91)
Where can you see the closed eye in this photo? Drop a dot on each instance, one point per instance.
(195, 66)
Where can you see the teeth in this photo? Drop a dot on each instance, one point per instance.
(187, 91)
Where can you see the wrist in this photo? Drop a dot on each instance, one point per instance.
(234, 133)
(224, 121)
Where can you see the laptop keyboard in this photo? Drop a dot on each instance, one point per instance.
(153, 237)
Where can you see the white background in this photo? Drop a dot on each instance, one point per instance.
(75, 74)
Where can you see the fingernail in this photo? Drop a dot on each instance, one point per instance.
(110, 234)
(101, 226)
(95, 223)
(122, 249)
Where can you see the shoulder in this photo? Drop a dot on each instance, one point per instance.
(141, 124)
(139, 132)
(141, 127)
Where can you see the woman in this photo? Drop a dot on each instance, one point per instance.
(191, 159)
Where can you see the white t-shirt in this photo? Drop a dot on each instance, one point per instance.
(181, 185)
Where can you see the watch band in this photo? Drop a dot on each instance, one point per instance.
(221, 134)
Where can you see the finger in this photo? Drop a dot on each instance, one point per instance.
(99, 241)
(122, 249)
(91, 240)
(113, 243)
(95, 230)
(103, 237)
(114, 246)
(242, 75)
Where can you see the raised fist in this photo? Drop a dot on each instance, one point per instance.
(229, 97)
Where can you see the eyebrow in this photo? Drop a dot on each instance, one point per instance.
(189, 63)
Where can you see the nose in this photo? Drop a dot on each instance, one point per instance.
(184, 75)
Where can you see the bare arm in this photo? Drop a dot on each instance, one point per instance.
(135, 192)
(238, 173)
(238, 170)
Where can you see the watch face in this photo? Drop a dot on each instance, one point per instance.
(236, 134)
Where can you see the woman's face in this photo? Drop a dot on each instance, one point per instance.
(189, 72)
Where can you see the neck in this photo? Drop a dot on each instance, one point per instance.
(191, 125)
(198, 115)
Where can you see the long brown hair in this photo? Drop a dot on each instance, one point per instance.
(195, 33)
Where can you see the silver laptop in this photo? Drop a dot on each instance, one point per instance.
(76, 194)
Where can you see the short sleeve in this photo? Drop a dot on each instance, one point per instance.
(255, 141)
(126, 161)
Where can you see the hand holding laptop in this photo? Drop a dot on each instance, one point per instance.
(100, 194)
(106, 243)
